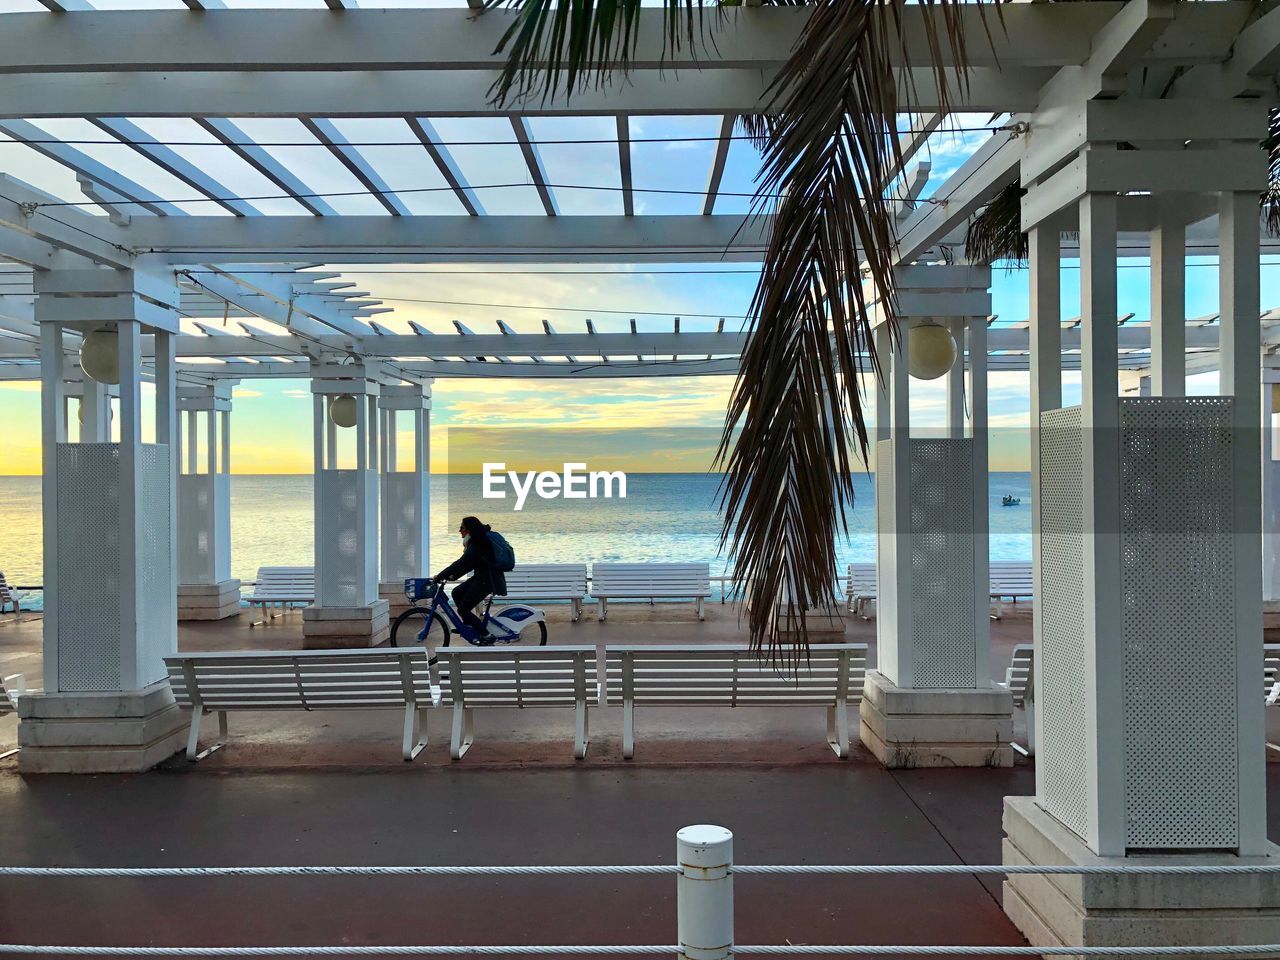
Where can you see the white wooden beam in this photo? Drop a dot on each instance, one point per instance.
(716, 174)
(328, 133)
(624, 164)
(533, 161)
(261, 160)
(445, 163)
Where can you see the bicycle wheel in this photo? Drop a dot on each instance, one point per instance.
(413, 622)
(528, 637)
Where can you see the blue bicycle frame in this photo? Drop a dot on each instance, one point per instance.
(417, 588)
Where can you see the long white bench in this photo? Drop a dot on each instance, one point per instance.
(397, 678)
(1010, 580)
(11, 688)
(474, 678)
(734, 676)
(282, 587)
(549, 581)
(650, 581)
(8, 598)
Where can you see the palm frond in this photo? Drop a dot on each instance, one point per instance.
(1271, 196)
(996, 232)
(795, 416)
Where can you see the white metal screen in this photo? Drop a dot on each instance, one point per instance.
(886, 553)
(88, 565)
(346, 538)
(1063, 656)
(1180, 656)
(402, 525)
(942, 558)
(157, 583)
(204, 528)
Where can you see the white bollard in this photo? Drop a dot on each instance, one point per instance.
(704, 892)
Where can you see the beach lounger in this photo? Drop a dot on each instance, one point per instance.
(394, 679)
(650, 581)
(549, 581)
(474, 678)
(282, 587)
(734, 676)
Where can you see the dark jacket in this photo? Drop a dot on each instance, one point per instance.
(477, 559)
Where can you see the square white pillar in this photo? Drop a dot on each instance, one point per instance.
(406, 489)
(206, 589)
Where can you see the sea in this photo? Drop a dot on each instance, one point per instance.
(664, 517)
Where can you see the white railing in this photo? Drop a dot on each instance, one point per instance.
(704, 872)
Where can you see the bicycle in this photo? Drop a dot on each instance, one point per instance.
(441, 620)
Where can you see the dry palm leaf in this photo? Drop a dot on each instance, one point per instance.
(796, 415)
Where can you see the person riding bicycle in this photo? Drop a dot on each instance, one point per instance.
(478, 560)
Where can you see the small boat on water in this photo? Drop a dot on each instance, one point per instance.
(1009, 500)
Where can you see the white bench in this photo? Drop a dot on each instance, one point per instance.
(11, 688)
(7, 596)
(549, 581)
(282, 587)
(734, 676)
(1019, 678)
(1012, 581)
(860, 588)
(522, 677)
(398, 678)
(650, 581)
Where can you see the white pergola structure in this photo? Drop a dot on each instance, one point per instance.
(1135, 129)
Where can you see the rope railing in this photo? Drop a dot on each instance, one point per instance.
(704, 874)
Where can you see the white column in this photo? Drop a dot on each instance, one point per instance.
(110, 615)
(206, 589)
(955, 383)
(1270, 494)
(405, 488)
(1168, 305)
(1240, 378)
(893, 556)
(347, 610)
(1101, 616)
(981, 501)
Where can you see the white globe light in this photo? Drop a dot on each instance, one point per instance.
(99, 356)
(931, 351)
(342, 410)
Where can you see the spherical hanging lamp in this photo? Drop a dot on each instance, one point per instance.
(931, 351)
(100, 356)
(342, 410)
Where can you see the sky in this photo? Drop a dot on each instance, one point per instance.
(624, 418)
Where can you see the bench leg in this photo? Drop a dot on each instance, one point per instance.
(582, 731)
(838, 729)
(415, 731)
(628, 729)
(463, 732)
(257, 623)
(8, 753)
(701, 614)
(604, 608)
(577, 609)
(194, 752)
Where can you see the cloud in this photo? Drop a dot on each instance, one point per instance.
(245, 393)
(297, 394)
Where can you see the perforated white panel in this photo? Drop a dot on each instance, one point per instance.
(157, 584)
(942, 558)
(886, 552)
(1063, 661)
(403, 533)
(88, 564)
(346, 545)
(204, 528)
(1180, 657)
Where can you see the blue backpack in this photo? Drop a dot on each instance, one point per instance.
(504, 558)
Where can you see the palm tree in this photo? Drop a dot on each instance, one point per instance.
(827, 132)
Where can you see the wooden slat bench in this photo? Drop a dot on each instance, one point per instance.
(650, 581)
(283, 587)
(8, 598)
(733, 676)
(398, 678)
(522, 677)
(549, 581)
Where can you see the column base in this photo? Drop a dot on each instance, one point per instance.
(115, 732)
(1132, 910)
(330, 628)
(392, 591)
(208, 601)
(936, 728)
